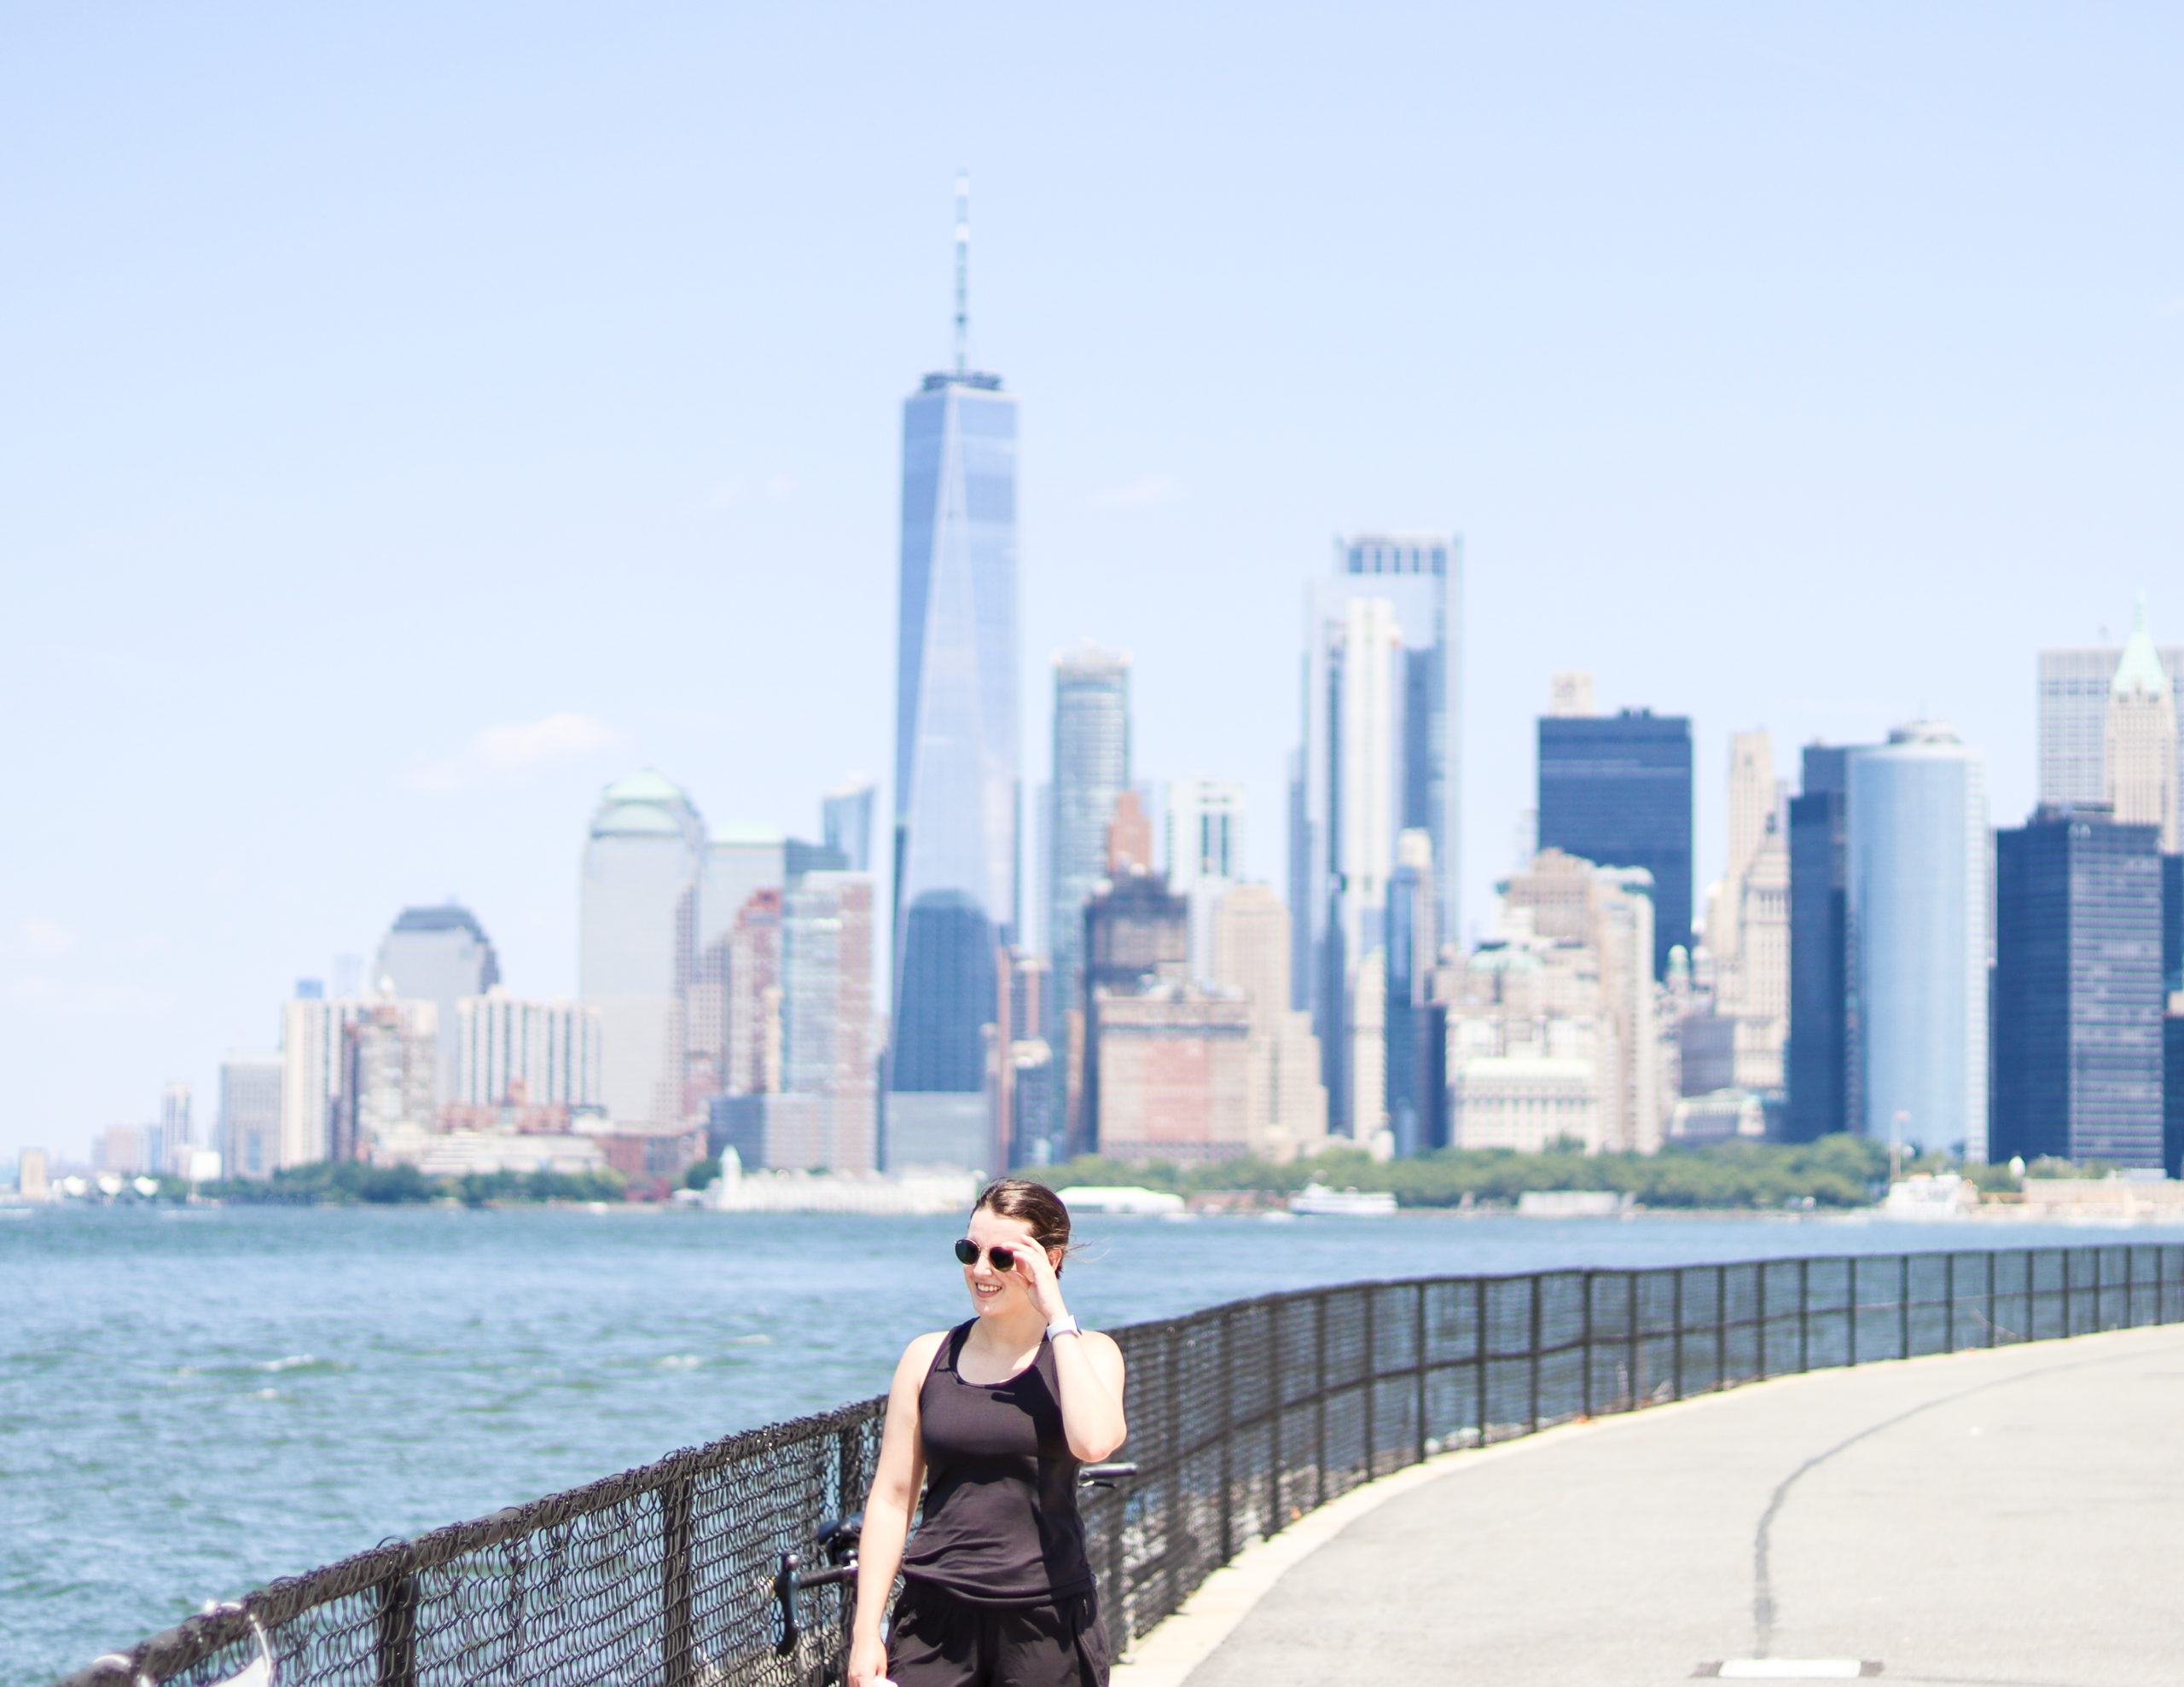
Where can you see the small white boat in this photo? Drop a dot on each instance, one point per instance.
(1317, 1201)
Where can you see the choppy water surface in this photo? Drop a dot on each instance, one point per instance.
(192, 1403)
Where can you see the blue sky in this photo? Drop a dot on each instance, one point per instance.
(411, 418)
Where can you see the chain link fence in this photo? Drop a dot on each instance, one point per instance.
(1243, 1417)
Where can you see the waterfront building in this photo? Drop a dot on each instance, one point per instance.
(642, 867)
(747, 868)
(957, 778)
(1173, 1079)
(2172, 1086)
(250, 1112)
(1817, 1059)
(440, 955)
(1615, 790)
(1136, 938)
(1917, 940)
(1412, 1092)
(1606, 912)
(2139, 744)
(177, 1137)
(1379, 753)
(388, 1062)
(1286, 1101)
(846, 822)
(513, 1051)
(1023, 1075)
(751, 1033)
(827, 1015)
(2078, 999)
(1531, 1054)
(1203, 824)
(312, 1073)
(1091, 770)
(33, 1181)
(1747, 947)
(2076, 684)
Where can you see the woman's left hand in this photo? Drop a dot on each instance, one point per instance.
(1040, 1281)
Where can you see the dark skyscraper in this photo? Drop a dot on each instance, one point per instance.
(2077, 990)
(1615, 790)
(1818, 1055)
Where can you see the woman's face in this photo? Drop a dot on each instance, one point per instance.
(995, 1291)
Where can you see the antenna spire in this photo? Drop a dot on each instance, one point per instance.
(962, 272)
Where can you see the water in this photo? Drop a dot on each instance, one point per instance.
(194, 1402)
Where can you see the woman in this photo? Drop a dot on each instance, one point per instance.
(993, 1418)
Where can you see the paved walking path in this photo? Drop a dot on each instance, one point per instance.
(2010, 1519)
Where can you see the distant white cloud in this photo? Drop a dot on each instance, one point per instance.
(1151, 488)
(47, 938)
(506, 750)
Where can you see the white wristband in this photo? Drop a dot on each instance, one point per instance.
(1063, 1326)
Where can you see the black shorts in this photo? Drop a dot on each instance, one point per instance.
(938, 1640)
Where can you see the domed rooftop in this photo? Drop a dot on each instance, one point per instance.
(647, 787)
(2140, 673)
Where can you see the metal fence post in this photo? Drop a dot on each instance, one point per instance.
(1274, 1414)
(675, 1580)
(1804, 1316)
(1632, 1372)
(1990, 1297)
(1532, 1385)
(1759, 1314)
(1675, 1317)
(1319, 1395)
(1904, 1305)
(398, 1632)
(1371, 1373)
(1417, 1354)
(1586, 1347)
(1721, 1325)
(1479, 1353)
(1852, 1356)
(2069, 1322)
(1228, 1434)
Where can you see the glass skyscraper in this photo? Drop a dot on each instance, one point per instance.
(1818, 1058)
(2078, 989)
(1379, 754)
(1615, 790)
(1091, 770)
(1918, 941)
(956, 768)
(642, 867)
(442, 956)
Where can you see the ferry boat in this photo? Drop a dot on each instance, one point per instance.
(1317, 1201)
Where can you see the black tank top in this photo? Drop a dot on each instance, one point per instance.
(1000, 1526)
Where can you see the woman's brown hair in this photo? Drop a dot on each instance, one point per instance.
(1031, 1204)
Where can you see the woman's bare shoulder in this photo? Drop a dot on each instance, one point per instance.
(920, 1353)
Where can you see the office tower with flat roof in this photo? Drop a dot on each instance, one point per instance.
(846, 822)
(1091, 770)
(312, 1072)
(956, 755)
(2139, 745)
(1203, 822)
(1379, 754)
(522, 1053)
(1412, 1092)
(643, 867)
(250, 1113)
(1615, 790)
(2076, 686)
(388, 1060)
(2078, 1002)
(1917, 904)
(1817, 1059)
(438, 954)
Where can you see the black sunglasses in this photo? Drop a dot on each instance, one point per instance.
(968, 1251)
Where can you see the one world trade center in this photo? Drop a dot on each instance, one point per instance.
(956, 777)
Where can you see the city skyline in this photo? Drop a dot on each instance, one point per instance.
(1646, 430)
